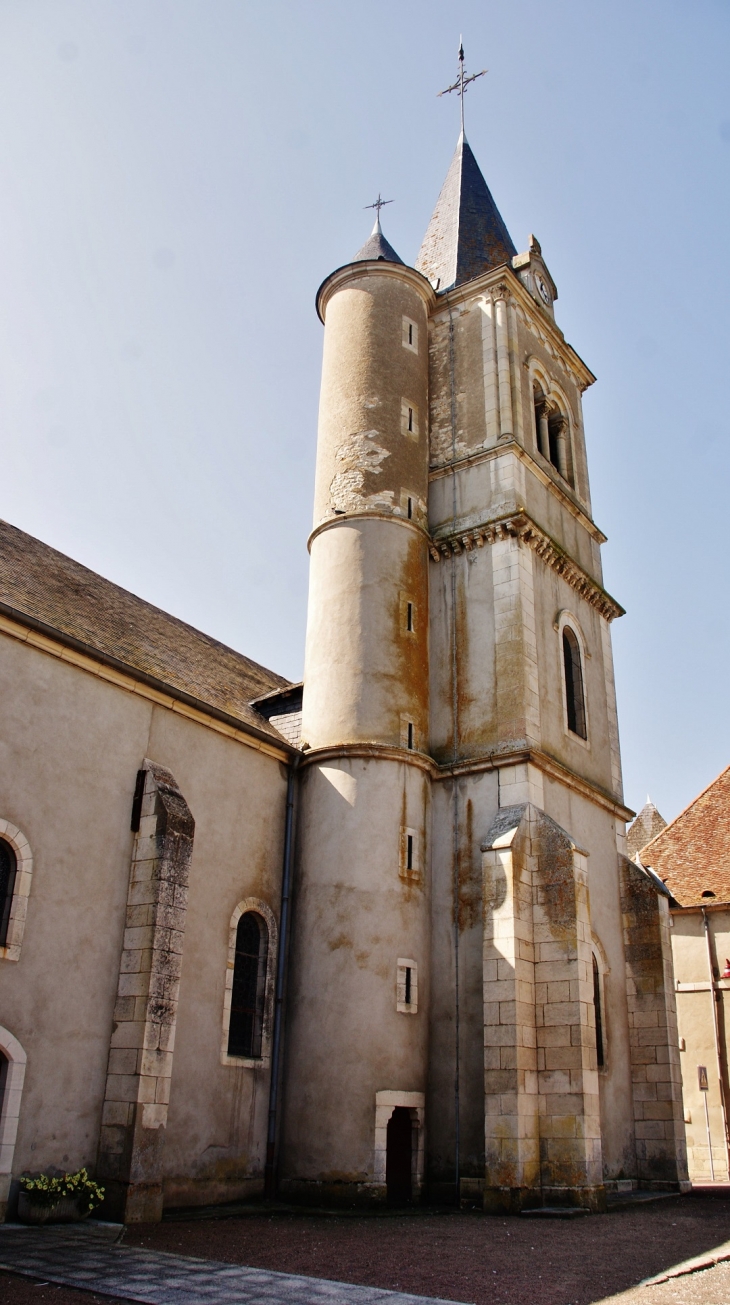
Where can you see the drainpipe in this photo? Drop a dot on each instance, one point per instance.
(716, 1032)
(270, 1166)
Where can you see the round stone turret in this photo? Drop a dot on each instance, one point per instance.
(366, 665)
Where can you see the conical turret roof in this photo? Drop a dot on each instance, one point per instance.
(646, 826)
(466, 235)
(376, 246)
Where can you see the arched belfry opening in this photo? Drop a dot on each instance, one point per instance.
(399, 1157)
(552, 432)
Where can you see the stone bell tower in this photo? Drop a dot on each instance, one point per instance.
(480, 1002)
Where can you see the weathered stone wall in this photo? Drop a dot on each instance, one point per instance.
(655, 1068)
(542, 1117)
(134, 1116)
(70, 790)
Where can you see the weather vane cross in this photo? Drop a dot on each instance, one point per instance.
(462, 83)
(379, 203)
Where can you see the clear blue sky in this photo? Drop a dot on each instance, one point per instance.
(178, 176)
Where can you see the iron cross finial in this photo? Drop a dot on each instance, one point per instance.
(379, 203)
(462, 82)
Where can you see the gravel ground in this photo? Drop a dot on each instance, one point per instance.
(463, 1257)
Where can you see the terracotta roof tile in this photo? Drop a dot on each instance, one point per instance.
(692, 855)
(53, 591)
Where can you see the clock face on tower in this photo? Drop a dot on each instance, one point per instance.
(544, 292)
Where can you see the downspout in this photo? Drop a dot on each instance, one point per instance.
(716, 1032)
(455, 790)
(271, 1139)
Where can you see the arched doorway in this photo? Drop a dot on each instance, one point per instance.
(399, 1157)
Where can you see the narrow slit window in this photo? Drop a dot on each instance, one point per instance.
(410, 734)
(409, 617)
(410, 509)
(409, 851)
(410, 419)
(406, 987)
(410, 332)
(574, 691)
(8, 870)
(245, 1029)
(600, 1056)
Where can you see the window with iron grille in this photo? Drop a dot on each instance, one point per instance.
(8, 869)
(245, 1028)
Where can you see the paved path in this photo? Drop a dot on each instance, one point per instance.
(88, 1255)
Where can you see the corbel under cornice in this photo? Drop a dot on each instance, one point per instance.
(521, 527)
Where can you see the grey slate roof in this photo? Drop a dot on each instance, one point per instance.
(50, 592)
(646, 826)
(466, 235)
(376, 246)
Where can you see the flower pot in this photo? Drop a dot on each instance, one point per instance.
(64, 1210)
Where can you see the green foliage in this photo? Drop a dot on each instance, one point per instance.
(46, 1189)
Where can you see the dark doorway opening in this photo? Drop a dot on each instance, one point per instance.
(398, 1157)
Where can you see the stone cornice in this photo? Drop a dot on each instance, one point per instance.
(519, 526)
(379, 751)
(503, 280)
(547, 765)
(366, 514)
(372, 267)
(439, 470)
(473, 766)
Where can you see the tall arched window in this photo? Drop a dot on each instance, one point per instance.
(249, 987)
(8, 870)
(600, 1053)
(574, 693)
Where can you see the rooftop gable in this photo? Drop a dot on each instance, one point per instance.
(692, 855)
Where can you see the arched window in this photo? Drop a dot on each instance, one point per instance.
(246, 1022)
(574, 693)
(600, 1053)
(8, 870)
(552, 431)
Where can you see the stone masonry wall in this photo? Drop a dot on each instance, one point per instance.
(656, 1077)
(143, 1034)
(542, 1117)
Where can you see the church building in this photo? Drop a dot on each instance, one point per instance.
(374, 937)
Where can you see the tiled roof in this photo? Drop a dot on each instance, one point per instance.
(466, 235)
(692, 855)
(377, 247)
(647, 825)
(50, 591)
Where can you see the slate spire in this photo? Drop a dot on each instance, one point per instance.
(376, 246)
(646, 826)
(466, 235)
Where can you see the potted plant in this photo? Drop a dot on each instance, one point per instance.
(58, 1198)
